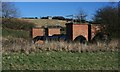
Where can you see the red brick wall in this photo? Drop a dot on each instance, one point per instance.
(80, 29)
(37, 32)
(41, 32)
(74, 30)
(95, 28)
(52, 31)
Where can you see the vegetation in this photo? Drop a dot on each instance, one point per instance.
(12, 27)
(108, 16)
(45, 22)
(25, 46)
(58, 18)
(20, 54)
(17, 24)
(81, 17)
(15, 33)
(51, 60)
(9, 10)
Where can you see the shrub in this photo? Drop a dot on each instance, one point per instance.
(58, 18)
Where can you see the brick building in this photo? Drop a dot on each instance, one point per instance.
(52, 31)
(38, 31)
(85, 30)
(73, 31)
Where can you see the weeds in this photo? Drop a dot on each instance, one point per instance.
(21, 54)
(26, 46)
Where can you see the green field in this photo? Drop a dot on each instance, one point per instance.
(15, 33)
(51, 60)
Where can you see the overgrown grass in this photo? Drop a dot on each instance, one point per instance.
(17, 24)
(22, 45)
(21, 54)
(15, 33)
(44, 22)
(16, 28)
(61, 60)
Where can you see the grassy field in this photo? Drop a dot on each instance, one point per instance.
(16, 28)
(44, 22)
(15, 33)
(51, 60)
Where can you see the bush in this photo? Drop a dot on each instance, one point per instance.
(108, 16)
(17, 24)
(59, 18)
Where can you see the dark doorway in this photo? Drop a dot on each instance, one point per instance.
(46, 32)
(80, 39)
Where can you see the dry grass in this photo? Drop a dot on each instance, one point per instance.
(21, 54)
(22, 45)
(43, 22)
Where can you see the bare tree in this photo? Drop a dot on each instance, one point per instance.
(0, 9)
(9, 10)
(81, 15)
